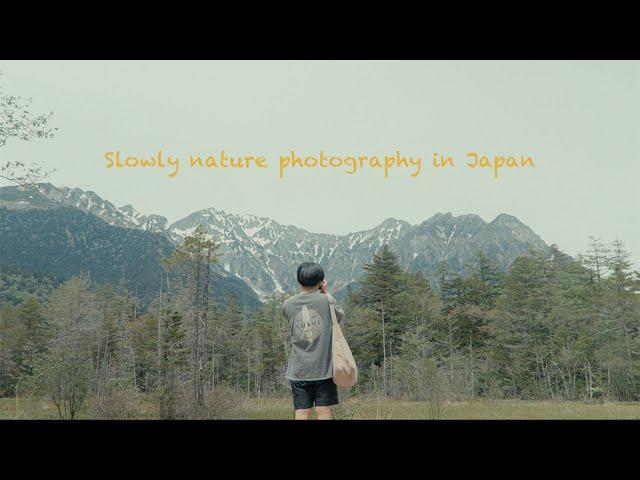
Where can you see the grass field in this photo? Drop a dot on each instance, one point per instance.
(369, 408)
(391, 409)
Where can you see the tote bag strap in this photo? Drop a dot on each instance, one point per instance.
(334, 319)
(332, 309)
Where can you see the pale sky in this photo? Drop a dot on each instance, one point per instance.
(579, 120)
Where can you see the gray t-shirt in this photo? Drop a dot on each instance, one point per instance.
(310, 326)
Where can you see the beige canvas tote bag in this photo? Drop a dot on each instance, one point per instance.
(345, 370)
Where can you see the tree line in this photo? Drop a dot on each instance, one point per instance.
(550, 327)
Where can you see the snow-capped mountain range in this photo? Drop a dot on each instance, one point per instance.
(263, 252)
(88, 201)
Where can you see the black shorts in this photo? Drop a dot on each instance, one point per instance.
(306, 393)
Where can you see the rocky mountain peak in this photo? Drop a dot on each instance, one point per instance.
(505, 218)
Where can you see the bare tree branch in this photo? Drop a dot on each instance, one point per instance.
(16, 121)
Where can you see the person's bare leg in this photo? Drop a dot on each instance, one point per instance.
(302, 414)
(324, 413)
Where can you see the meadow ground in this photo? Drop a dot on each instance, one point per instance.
(367, 408)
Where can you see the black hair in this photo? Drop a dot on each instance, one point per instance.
(310, 274)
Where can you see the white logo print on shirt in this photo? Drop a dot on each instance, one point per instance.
(307, 324)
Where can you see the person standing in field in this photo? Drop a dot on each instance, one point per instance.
(310, 368)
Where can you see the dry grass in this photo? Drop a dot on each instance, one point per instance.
(364, 408)
(392, 409)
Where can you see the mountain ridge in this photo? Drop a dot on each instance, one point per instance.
(60, 240)
(261, 251)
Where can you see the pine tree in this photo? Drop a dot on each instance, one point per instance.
(173, 363)
(193, 260)
(621, 319)
(596, 259)
(381, 282)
